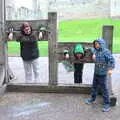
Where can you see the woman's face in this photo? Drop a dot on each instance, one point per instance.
(27, 29)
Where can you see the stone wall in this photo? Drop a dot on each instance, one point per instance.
(69, 9)
(115, 8)
(81, 9)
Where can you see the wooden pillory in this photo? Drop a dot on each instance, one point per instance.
(56, 51)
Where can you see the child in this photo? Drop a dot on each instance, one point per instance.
(78, 53)
(29, 53)
(78, 67)
(104, 63)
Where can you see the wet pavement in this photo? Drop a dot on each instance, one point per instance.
(43, 106)
(51, 106)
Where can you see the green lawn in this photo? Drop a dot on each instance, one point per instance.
(77, 30)
(14, 48)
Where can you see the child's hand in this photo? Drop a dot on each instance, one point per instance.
(67, 56)
(110, 72)
(40, 35)
(94, 57)
(10, 36)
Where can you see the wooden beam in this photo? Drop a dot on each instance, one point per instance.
(3, 90)
(64, 88)
(16, 24)
(71, 44)
(2, 74)
(61, 46)
(52, 24)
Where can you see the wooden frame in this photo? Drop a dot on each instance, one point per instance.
(35, 24)
(56, 48)
(51, 24)
(61, 46)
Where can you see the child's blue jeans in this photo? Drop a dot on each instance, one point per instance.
(100, 81)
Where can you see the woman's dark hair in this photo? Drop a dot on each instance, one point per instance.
(22, 29)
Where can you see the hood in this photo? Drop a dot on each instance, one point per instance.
(102, 42)
(79, 49)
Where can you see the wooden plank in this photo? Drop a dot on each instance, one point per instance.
(36, 88)
(2, 74)
(16, 24)
(2, 57)
(61, 46)
(52, 24)
(3, 90)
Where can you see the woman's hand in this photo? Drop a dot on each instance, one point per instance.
(10, 36)
(67, 56)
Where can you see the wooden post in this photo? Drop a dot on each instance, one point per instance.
(107, 34)
(4, 59)
(52, 39)
(1, 32)
(5, 43)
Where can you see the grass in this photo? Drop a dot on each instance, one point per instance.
(14, 48)
(77, 30)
